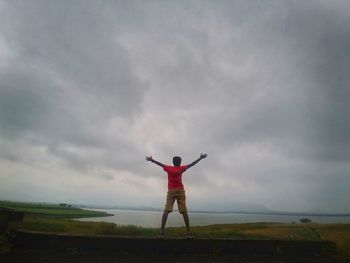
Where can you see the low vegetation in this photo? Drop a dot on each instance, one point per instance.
(305, 220)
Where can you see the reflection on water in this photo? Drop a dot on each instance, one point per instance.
(153, 218)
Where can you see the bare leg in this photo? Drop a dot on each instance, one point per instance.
(187, 222)
(164, 219)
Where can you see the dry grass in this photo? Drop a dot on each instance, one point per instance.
(338, 233)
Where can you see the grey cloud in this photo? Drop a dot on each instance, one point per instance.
(102, 83)
(80, 48)
(305, 107)
(69, 78)
(295, 98)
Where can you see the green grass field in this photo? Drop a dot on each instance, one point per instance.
(50, 210)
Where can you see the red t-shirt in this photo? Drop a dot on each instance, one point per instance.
(175, 176)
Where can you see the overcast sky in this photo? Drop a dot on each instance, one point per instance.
(89, 88)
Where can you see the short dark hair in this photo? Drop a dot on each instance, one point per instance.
(177, 160)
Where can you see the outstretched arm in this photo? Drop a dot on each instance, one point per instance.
(150, 159)
(202, 156)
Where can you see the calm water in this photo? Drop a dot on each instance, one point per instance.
(153, 218)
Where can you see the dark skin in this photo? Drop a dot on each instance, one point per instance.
(184, 214)
(202, 156)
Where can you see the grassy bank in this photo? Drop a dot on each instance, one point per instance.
(338, 233)
(50, 210)
(56, 218)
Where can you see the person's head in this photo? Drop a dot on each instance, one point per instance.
(177, 160)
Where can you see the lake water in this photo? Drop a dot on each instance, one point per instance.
(153, 218)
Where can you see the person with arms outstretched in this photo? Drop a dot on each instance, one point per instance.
(176, 190)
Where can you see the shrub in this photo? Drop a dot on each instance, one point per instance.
(305, 220)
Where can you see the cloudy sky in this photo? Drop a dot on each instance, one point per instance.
(89, 88)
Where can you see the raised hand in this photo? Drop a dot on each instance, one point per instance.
(203, 155)
(150, 159)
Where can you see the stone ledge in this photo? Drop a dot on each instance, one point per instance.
(49, 241)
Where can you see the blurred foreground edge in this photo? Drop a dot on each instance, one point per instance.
(49, 241)
(8, 216)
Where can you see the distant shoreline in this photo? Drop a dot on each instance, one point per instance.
(278, 213)
(72, 210)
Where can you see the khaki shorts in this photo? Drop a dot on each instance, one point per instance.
(179, 195)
